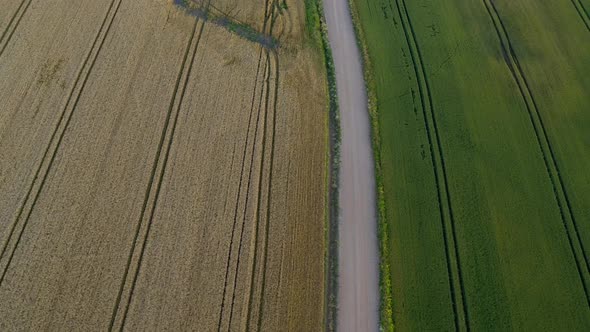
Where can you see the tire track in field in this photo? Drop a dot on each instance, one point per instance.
(262, 92)
(269, 188)
(453, 262)
(254, 245)
(272, 17)
(156, 177)
(582, 12)
(230, 251)
(275, 56)
(10, 28)
(266, 72)
(547, 152)
(59, 131)
(238, 195)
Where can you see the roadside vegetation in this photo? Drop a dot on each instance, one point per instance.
(383, 232)
(479, 137)
(318, 38)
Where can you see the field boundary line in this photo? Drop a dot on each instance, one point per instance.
(20, 17)
(436, 150)
(542, 138)
(64, 119)
(168, 130)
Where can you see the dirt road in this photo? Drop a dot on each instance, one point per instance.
(358, 292)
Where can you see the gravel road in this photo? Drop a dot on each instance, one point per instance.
(358, 292)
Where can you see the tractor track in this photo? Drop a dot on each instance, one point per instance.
(272, 17)
(582, 12)
(18, 15)
(250, 172)
(244, 212)
(65, 119)
(238, 194)
(269, 189)
(230, 252)
(427, 102)
(540, 131)
(273, 14)
(175, 107)
(254, 246)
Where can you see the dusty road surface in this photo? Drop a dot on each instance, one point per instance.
(358, 295)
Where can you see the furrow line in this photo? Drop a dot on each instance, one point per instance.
(542, 138)
(59, 131)
(18, 15)
(168, 131)
(427, 105)
(230, 251)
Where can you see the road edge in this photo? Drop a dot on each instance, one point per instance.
(385, 304)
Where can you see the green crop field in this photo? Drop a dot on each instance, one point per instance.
(481, 116)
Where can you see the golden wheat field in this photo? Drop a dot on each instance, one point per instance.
(163, 166)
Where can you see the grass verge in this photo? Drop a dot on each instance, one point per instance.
(317, 35)
(386, 305)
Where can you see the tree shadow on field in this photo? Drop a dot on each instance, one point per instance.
(215, 16)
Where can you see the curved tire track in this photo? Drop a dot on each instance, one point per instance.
(551, 166)
(443, 194)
